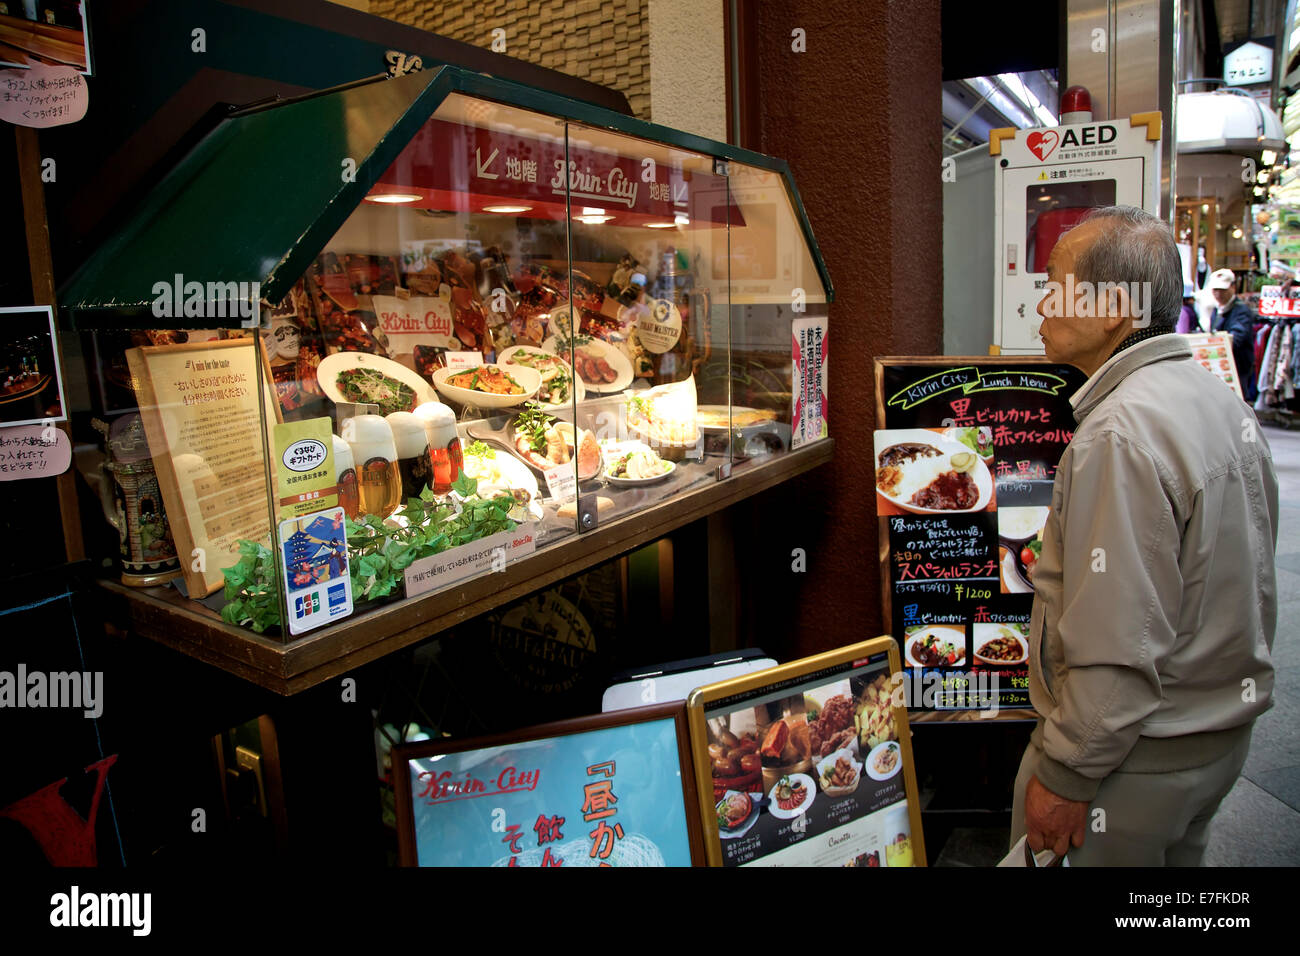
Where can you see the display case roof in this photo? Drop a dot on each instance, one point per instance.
(260, 197)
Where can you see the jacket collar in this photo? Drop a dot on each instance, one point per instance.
(1117, 368)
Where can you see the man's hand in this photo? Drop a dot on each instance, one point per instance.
(1052, 822)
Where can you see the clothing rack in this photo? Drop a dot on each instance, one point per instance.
(1277, 373)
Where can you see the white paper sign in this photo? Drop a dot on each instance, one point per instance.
(33, 451)
(42, 96)
(562, 482)
(419, 320)
(463, 361)
(486, 554)
(317, 582)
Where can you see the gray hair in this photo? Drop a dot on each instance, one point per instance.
(1136, 247)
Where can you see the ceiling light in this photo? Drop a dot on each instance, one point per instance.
(660, 225)
(1205, 209)
(592, 215)
(394, 197)
(1269, 157)
(681, 220)
(507, 210)
(1236, 233)
(1262, 177)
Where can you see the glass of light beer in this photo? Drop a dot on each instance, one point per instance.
(379, 484)
(411, 438)
(444, 445)
(345, 473)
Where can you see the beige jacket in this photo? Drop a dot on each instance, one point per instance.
(1155, 600)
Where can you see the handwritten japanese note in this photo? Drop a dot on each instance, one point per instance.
(43, 96)
(33, 451)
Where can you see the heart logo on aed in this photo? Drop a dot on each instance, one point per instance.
(1042, 144)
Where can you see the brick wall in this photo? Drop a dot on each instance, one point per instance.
(604, 41)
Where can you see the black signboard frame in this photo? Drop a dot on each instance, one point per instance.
(902, 387)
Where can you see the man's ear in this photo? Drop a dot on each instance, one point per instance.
(1116, 306)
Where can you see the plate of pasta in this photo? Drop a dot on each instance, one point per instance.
(488, 386)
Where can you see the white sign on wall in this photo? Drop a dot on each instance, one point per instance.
(1250, 63)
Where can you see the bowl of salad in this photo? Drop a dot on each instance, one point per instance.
(978, 439)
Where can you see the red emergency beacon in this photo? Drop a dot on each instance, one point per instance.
(1076, 106)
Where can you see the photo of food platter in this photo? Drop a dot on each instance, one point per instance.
(738, 811)
(884, 760)
(873, 712)
(360, 377)
(920, 471)
(1020, 533)
(941, 645)
(1000, 645)
(792, 796)
(839, 774)
(600, 366)
(829, 713)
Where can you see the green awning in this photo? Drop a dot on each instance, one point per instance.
(259, 198)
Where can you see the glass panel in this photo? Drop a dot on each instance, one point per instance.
(434, 301)
(776, 296)
(649, 249)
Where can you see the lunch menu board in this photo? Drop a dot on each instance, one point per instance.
(965, 459)
(615, 794)
(810, 770)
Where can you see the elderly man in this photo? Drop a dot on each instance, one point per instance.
(1155, 602)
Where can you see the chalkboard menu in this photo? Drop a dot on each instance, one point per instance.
(965, 456)
(610, 790)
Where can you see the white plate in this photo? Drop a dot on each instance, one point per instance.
(982, 476)
(579, 388)
(529, 378)
(745, 825)
(616, 359)
(1024, 649)
(723, 429)
(327, 374)
(634, 482)
(514, 471)
(870, 771)
(1015, 581)
(809, 784)
(952, 635)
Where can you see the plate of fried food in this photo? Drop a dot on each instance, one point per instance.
(839, 774)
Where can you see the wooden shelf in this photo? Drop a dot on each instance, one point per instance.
(164, 616)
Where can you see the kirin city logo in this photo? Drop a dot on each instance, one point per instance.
(1042, 143)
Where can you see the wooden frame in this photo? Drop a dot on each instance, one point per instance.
(790, 675)
(404, 753)
(198, 582)
(886, 602)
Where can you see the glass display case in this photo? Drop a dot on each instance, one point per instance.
(375, 359)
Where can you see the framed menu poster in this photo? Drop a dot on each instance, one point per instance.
(965, 458)
(608, 790)
(809, 764)
(202, 415)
